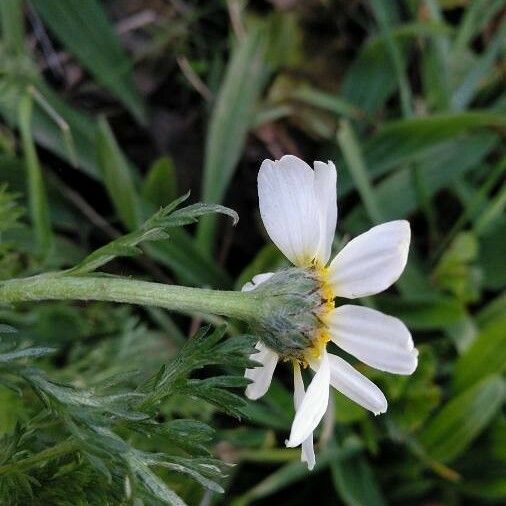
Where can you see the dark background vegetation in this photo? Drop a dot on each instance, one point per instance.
(112, 109)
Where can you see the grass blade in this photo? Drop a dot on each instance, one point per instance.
(438, 168)
(487, 355)
(383, 12)
(435, 63)
(11, 16)
(477, 15)
(117, 176)
(465, 93)
(230, 120)
(326, 101)
(160, 185)
(39, 210)
(462, 419)
(357, 168)
(82, 27)
(355, 482)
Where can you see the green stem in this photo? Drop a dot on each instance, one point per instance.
(240, 305)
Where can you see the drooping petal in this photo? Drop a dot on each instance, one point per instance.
(371, 262)
(307, 453)
(288, 207)
(326, 198)
(255, 281)
(378, 340)
(261, 376)
(354, 385)
(313, 405)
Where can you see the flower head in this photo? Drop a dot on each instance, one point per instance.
(299, 210)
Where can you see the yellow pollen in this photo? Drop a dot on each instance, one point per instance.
(327, 293)
(322, 335)
(318, 345)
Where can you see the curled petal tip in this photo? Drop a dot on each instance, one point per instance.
(250, 394)
(382, 410)
(289, 443)
(414, 362)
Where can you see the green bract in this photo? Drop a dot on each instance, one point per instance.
(291, 301)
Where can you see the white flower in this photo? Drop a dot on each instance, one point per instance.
(299, 210)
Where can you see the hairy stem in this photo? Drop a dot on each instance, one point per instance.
(244, 306)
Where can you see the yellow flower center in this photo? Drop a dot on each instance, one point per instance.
(322, 334)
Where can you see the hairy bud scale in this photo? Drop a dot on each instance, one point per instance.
(292, 303)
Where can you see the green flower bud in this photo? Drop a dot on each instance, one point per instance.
(292, 302)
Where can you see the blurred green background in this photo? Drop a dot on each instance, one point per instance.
(111, 109)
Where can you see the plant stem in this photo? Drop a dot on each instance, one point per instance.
(240, 305)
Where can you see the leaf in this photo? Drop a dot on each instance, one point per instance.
(471, 83)
(355, 163)
(11, 14)
(486, 355)
(370, 79)
(444, 164)
(289, 474)
(153, 483)
(82, 27)
(476, 16)
(435, 64)
(160, 184)
(49, 133)
(419, 139)
(39, 209)
(325, 101)
(231, 117)
(385, 15)
(354, 480)
(455, 271)
(492, 310)
(35, 352)
(117, 176)
(154, 229)
(191, 213)
(414, 134)
(188, 434)
(423, 313)
(462, 419)
(493, 251)
(7, 329)
(196, 468)
(413, 401)
(190, 264)
(204, 348)
(230, 403)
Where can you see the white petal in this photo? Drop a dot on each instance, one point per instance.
(354, 385)
(298, 386)
(261, 376)
(307, 453)
(326, 198)
(371, 262)
(313, 405)
(288, 207)
(379, 340)
(255, 281)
